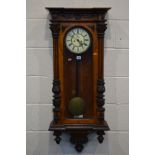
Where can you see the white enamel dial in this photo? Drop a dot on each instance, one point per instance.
(77, 40)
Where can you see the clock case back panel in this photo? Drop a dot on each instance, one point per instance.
(90, 68)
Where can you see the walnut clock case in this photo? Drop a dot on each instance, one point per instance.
(78, 85)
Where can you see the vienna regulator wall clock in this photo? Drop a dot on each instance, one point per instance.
(78, 85)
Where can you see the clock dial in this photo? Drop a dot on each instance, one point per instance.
(77, 40)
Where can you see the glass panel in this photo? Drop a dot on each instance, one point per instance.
(78, 85)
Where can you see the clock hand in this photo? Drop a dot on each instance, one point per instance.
(80, 42)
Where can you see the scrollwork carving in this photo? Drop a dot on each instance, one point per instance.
(56, 100)
(55, 28)
(101, 27)
(100, 98)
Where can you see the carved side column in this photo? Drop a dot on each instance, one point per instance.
(55, 28)
(101, 27)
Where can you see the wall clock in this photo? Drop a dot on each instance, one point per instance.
(78, 85)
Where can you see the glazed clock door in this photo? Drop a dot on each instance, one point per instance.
(78, 74)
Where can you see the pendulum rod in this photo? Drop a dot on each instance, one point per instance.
(77, 78)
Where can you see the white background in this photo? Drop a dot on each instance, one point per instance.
(13, 90)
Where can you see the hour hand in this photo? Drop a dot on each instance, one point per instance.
(80, 42)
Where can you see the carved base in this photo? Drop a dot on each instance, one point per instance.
(79, 133)
(58, 138)
(100, 136)
(78, 139)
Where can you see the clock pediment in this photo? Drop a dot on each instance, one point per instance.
(78, 14)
